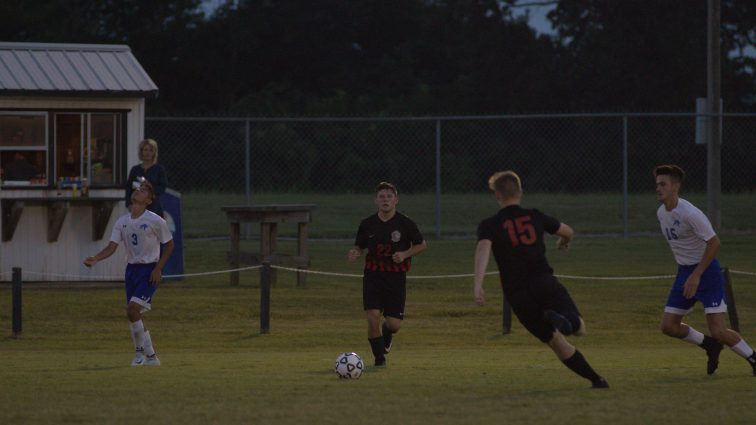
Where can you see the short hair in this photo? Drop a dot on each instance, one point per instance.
(146, 142)
(386, 186)
(673, 171)
(507, 183)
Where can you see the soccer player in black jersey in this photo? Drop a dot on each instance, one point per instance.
(391, 239)
(540, 302)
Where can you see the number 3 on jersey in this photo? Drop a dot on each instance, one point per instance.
(520, 231)
(134, 239)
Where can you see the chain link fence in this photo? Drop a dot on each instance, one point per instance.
(592, 169)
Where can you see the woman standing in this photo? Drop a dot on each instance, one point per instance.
(150, 170)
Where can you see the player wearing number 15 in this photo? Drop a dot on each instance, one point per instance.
(141, 232)
(540, 302)
(391, 239)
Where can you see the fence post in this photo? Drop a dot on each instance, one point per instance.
(732, 310)
(16, 302)
(625, 213)
(247, 173)
(265, 298)
(438, 179)
(506, 318)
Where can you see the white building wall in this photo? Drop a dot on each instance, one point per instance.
(62, 260)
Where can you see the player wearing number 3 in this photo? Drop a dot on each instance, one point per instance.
(540, 302)
(141, 232)
(391, 240)
(699, 277)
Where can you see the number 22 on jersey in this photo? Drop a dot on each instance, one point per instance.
(520, 231)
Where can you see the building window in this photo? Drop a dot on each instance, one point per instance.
(78, 146)
(23, 148)
(88, 146)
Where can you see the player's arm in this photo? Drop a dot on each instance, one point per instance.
(157, 273)
(105, 253)
(565, 234)
(415, 249)
(691, 284)
(482, 255)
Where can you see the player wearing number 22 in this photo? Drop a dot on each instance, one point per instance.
(391, 239)
(141, 232)
(540, 302)
(694, 245)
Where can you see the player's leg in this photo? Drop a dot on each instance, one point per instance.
(140, 301)
(372, 302)
(530, 313)
(561, 310)
(673, 326)
(396, 295)
(374, 335)
(574, 360)
(729, 337)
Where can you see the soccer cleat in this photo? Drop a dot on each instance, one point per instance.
(600, 383)
(152, 360)
(380, 363)
(138, 359)
(712, 354)
(752, 362)
(558, 321)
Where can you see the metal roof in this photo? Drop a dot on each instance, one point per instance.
(72, 69)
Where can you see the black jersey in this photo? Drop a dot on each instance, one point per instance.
(383, 238)
(516, 236)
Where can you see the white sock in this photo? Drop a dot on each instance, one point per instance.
(137, 334)
(743, 349)
(694, 337)
(148, 350)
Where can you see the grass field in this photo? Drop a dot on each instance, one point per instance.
(337, 215)
(450, 364)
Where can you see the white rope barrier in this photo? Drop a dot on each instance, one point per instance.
(448, 276)
(350, 275)
(96, 277)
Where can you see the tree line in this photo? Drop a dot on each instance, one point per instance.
(408, 57)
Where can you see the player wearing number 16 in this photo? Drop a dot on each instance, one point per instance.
(540, 302)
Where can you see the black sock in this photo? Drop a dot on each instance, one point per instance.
(387, 335)
(708, 343)
(376, 344)
(579, 365)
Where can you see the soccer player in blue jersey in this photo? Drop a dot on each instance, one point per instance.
(391, 239)
(694, 245)
(540, 302)
(141, 232)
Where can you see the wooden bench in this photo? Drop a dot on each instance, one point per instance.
(269, 216)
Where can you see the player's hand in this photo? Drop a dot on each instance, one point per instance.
(90, 261)
(155, 277)
(563, 244)
(479, 294)
(398, 257)
(353, 254)
(691, 286)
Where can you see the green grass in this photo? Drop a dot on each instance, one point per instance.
(450, 365)
(337, 215)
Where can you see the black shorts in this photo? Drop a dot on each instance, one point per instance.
(530, 298)
(384, 291)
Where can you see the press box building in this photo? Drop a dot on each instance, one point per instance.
(71, 119)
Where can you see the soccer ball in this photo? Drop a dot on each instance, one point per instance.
(349, 366)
